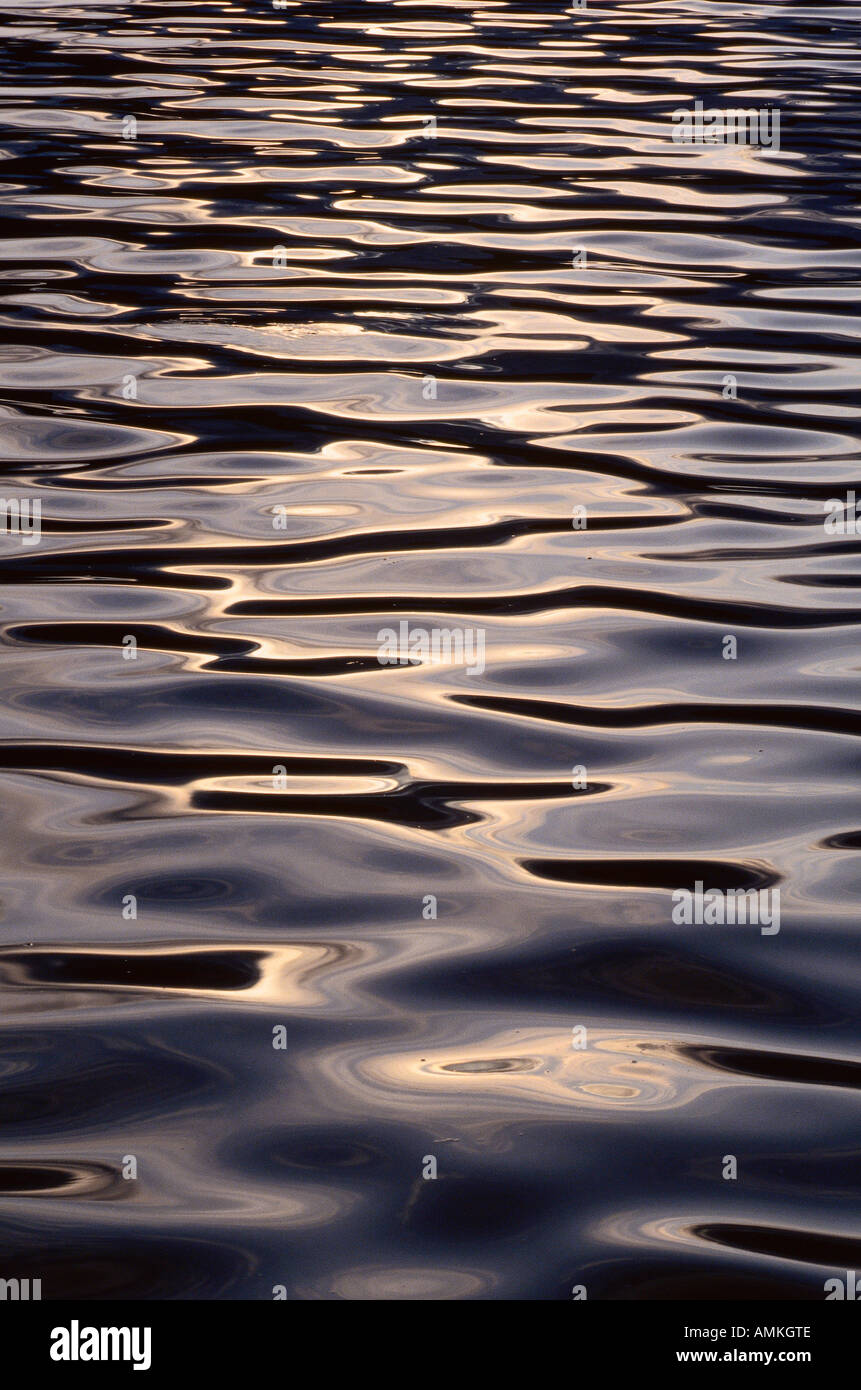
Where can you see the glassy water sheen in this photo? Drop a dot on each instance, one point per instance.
(286, 366)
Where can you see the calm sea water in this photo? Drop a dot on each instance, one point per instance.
(327, 318)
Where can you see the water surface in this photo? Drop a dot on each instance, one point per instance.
(326, 317)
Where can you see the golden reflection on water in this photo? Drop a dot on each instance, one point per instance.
(530, 1068)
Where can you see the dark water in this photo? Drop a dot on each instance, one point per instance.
(277, 288)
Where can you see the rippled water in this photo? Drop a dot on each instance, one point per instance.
(286, 366)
